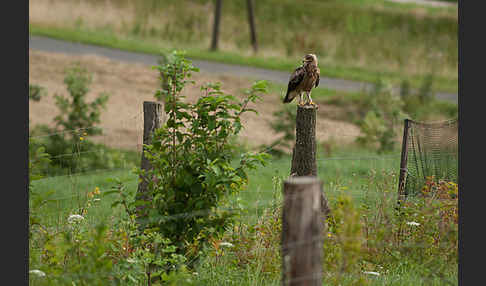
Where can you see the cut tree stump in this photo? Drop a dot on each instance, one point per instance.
(304, 153)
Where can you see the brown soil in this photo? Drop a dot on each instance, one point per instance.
(130, 84)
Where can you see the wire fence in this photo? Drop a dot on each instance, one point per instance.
(356, 167)
(257, 213)
(275, 250)
(114, 159)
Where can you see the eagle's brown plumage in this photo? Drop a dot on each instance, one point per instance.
(303, 79)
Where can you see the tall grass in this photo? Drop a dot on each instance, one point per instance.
(356, 181)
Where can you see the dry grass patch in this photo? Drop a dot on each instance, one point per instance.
(131, 84)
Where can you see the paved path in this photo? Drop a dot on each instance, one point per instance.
(59, 46)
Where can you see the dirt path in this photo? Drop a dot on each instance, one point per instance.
(129, 84)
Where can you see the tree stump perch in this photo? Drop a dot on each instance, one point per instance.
(304, 153)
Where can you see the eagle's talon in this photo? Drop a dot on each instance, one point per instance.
(314, 104)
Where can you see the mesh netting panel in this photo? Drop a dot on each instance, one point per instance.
(432, 151)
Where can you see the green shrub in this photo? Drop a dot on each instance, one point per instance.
(381, 112)
(421, 104)
(194, 171)
(74, 112)
(68, 141)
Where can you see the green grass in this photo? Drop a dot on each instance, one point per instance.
(69, 193)
(351, 170)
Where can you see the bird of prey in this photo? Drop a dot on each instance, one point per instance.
(303, 79)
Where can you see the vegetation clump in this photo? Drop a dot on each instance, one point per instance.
(69, 142)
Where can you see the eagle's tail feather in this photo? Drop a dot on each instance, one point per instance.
(288, 98)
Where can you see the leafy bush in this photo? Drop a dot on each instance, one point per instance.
(381, 111)
(75, 112)
(194, 171)
(422, 105)
(75, 123)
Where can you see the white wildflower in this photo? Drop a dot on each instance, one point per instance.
(130, 260)
(226, 244)
(413, 223)
(37, 272)
(75, 218)
(371, 273)
(96, 200)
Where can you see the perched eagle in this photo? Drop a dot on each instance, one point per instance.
(303, 79)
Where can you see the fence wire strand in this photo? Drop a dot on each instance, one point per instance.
(251, 211)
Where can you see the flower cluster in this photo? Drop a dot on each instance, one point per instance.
(92, 198)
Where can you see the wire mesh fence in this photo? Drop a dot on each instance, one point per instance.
(432, 153)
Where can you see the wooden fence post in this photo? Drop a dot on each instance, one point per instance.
(217, 17)
(304, 152)
(251, 20)
(302, 230)
(403, 161)
(151, 120)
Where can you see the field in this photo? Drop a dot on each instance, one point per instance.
(213, 220)
(369, 181)
(381, 39)
(349, 172)
(131, 84)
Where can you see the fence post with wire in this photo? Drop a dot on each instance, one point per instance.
(151, 121)
(429, 152)
(403, 161)
(302, 228)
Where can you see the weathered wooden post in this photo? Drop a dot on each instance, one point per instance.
(251, 21)
(403, 161)
(304, 153)
(302, 230)
(217, 17)
(151, 120)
